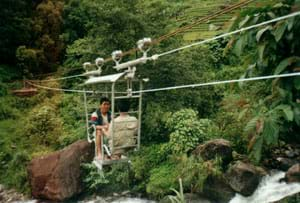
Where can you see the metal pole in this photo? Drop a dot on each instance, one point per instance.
(86, 115)
(140, 116)
(112, 115)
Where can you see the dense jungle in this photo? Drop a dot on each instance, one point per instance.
(42, 40)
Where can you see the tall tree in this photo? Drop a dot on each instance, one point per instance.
(14, 27)
(44, 53)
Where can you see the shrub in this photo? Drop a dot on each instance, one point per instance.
(148, 158)
(187, 130)
(7, 110)
(194, 171)
(42, 125)
(112, 178)
(162, 179)
(15, 174)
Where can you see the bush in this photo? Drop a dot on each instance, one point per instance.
(7, 110)
(162, 179)
(146, 159)
(15, 174)
(71, 111)
(42, 126)
(194, 171)
(114, 178)
(187, 131)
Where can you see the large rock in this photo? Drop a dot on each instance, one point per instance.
(244, 177)
(293, 174)
(217, 189)
(211, 149)
(57, 176)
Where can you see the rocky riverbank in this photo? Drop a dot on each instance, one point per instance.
(11, 195)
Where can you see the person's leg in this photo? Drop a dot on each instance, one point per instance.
(98, 143)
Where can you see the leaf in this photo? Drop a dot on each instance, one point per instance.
(285, 63)
(297, 83)
(297, 114)
(261, 32)
(287, 110)
(257, 148)
(279, 31)
(242, 114)
(241, 84)
(251, 125)
(270, 132)
(239, 45)
(261, 50)
(242, 23)
(271, 14)
(290, 23)
(278, 5)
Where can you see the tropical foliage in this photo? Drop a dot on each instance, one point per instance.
(274, 49)
(53, 35)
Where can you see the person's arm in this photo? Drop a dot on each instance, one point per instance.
(106, 130)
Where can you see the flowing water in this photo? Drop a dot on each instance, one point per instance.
(119, 200)
(269, 190)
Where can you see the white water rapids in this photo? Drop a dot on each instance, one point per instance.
(269, 190)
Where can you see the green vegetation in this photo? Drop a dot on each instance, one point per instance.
(61, 35)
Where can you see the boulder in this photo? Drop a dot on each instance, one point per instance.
(211, 149)
(216, 188)
(293, 174)
(244, 177)
(57, 176)
(284, 164)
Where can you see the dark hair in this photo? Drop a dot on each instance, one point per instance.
(104, 99)
(124, 105)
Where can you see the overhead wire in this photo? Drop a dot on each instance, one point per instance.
(68, 90)
(203, 19)
(156, 56)
(58, 89)
(181, 29)
(229, 33)
(219, 82)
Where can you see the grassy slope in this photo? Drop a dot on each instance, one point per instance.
(195, 9)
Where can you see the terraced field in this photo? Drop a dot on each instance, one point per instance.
(196, 9)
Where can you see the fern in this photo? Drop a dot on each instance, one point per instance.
(264, 128)
(251, 125)
(270, 131)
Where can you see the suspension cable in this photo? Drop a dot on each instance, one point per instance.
(218, 82)
(204, 19)
(228, 34)
(69, 90)
(179, 30)
(57, 89)
(171, 34)
(62, 78)
(156, 56)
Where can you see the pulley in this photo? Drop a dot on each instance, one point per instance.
(144, 45)
(117, 56)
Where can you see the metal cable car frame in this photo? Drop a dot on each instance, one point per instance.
(113, 80)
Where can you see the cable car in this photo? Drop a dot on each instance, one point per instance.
(123, 85)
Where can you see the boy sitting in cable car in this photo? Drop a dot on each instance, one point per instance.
(101, 118)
